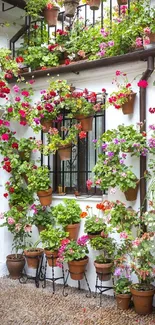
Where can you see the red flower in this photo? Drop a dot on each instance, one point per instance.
(2, 83)
(118, 72)
(8, 76)
(104, 90)
(11, 190)
(35, 26)
(51, 47)
(22, 113)
(15, 145)
(5, 195)
(142, 83)
(43, 68)
(25, 93)
(82, 135)
(152, 110)
(23, 123)
(67, 61)
(128, 85)
(144, 134)
(19, 59)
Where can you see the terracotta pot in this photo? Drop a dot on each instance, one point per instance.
(86, 122)
(94, 4)
(143, 301)
(131, 193)
(77, 268)
(33, 257)
(45, 197)
(90, 235)
(73, 231)
(15, 264)
(122, 2)
(51, 15)
(64, 152)
(23, 156)
(40, 228)
(70, 7)
(123, 301)
(51, 257)
(47, 124)
(103, 271)
(152, 38)
(128, 107)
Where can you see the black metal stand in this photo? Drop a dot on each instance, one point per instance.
(53, 279)
(24, 278)
(101, 287)
(88, 295)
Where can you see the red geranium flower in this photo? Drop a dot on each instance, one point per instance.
(142, 83)
(15, 145)
(82, 135)
(67, 61)
(19, 59)
(5, 195)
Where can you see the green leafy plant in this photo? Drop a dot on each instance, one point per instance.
(51, 238)
(42, 216)
(67, 213)
(39, 179)
(35, 7)
(122, 286)
(94, 223)
(7, 63)
(107, 244)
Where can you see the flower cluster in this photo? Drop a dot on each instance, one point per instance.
(71, 250)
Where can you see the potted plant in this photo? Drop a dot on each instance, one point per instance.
(124, 98)
(25, 147)
(94, 224)
(48, 8)
(51, 239)
(70, 7)
(122, 292)
(39, 181)
(33, 255)
(75, 254)
(8, 65)
(42, 216)
(103, 262)
(19, 225)
(67, 214)
(142, 264)
(62, 142)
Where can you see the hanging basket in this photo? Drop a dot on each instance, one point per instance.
(128, 107)
(123, 301)
(73, 231)
(70, 7)
(94, 4)
(131, 193)
(51, 15)
(51, 257)
(46, 124)
(45, 197)
(86, 122)
(77, 268)
(64, 152)
(33, 257)
(103, 271)
(122, 2)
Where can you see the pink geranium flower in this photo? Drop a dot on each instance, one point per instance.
(5, 137)
(11, 221)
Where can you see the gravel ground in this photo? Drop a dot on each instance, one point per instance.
(24, 304)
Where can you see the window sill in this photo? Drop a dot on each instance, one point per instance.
(80, 198)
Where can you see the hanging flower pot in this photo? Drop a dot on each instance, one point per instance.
(94, 4)
(33, 257)
(46, 124)
(143, 300)
(64, 152)
(45, 197)
(51, 15)
(103, 270)
(131, 193)
(122, 2)
(73, 231)
(128, 107)
(70, 7)
(15, 264)
(86, 122)
(77, 268)
(51, 257)
(123, 301)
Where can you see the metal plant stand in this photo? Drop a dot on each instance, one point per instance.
(88, 295)
(53, 279)
(102, 288)
(24, 278)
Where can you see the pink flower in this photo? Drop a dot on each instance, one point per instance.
(123, 235)
(27, 228)
(113, 191)
(10, 109)
(147, 30)
(83, 240)
(17, 99)
(65, 241)
(123, 174)
(146, 41)
(111, 43)
(142, 83)
(89, 184)
(6, 123)
(16, 89)
(136, 242)
(118, 72)
(1, 215)
(18, 227)
(139, 42)
(22, 113)
(25, 93)
(5, 137)
(31, 82)
(98, 182)
(11, 221)
(101, 53)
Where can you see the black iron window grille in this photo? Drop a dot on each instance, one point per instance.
(71, 175)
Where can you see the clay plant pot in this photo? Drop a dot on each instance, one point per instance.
(143, 300)
(64, 152)
(86, 122)
(96, 234)
(47, 124)
(128, 107)
(40, 228)
(45, 197)
(152, 38)
(122, 2)
(77, 268)
(33, 257)
(131, 193)
(23, 156)
(15, 264)
(94, 4)
(70, 7)
(51, 15)
(51, 257)
(123, 301)
(73, 231)
(103, 271)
